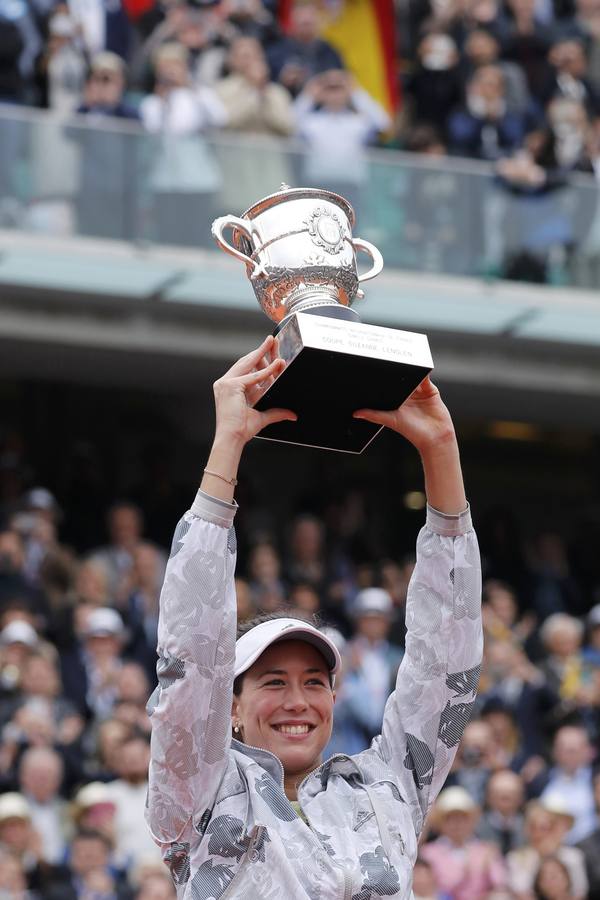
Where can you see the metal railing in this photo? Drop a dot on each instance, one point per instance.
(107, 178)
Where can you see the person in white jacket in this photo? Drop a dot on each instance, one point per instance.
(240, 800)
(184, 174)
(337, 120)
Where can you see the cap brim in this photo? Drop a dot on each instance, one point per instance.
(254, 643)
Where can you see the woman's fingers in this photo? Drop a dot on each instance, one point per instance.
(377, 416)
(252, 359)
(271, 416)
(272, 370)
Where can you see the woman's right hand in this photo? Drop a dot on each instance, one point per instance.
(235, 393)
(240, 387)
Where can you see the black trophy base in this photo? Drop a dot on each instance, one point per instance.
(335, 367)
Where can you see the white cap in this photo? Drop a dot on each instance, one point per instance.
(593, 617)
(92, 794)
(455, 799)
(19, 632)
(41, 498)
(554, 803)
(373, 601)
(14, 806)
(254, 643)
(104, 622)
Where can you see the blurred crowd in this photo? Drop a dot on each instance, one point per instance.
(515, 83)
(480, 78)
(519, 815)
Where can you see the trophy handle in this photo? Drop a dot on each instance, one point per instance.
(375, 255)
(219, 226)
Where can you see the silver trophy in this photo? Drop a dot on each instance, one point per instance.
(300, 257)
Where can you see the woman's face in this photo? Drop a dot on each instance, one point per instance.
(286, 705)
(553, 880)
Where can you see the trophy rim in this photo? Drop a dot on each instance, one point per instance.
(272, 199)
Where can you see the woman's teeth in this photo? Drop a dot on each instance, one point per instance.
(292, 729)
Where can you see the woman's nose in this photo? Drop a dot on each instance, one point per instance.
(295, 698)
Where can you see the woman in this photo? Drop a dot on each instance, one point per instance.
(259, 816)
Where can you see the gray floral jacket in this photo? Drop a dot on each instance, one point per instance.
(217, 807)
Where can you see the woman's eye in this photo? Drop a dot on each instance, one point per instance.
(276, 682)
(316, 681)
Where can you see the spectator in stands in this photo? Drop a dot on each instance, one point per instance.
(246, 607)
(502, 822)
(91, 669)
(128, 793)
(591, 651)
(92, 583)
(586, 25)
(11, 48)
(526, 38)
(41, 773)
(425, 886)
(251, 18)
(296, 58)
(141, 608)
(475, 760)
(104, 89)
(482, 48)
(545, 829)
(554, 589)
(370, 663)
(569, 78)
(104, 762)
(434, 89)
(464, 866)
(94, 809)
(565, 670)
(152, 881)
(63, 63)
(105, 206)
(13, 883)
(18, 640)
(552, 881)
(102, 27)
(570, 779)
(590, 846)
(87, 872)
(484, 128)
(264, 574)
(125, 526)
(337, 120)
(199, 32)
(501, 613)
(253, 102)
(19, 838)
(184, 175)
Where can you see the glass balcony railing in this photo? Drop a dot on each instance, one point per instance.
(104, 178)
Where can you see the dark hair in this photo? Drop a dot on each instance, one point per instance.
(90, 834)
(244, 627)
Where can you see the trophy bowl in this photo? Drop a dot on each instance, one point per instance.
(299, 252)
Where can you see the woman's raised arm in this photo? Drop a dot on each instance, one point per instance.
(191, 708)
(435, 690)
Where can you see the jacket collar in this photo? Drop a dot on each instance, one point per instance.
(340, 764)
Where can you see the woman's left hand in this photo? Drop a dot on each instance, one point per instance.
(422, 419)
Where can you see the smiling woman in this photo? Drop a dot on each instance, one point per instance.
(258, 813)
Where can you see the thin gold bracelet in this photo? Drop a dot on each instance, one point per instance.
(231, 481)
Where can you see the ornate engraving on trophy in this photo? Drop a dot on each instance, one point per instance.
(326, 231)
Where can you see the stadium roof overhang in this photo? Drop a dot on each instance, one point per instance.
(105, 312)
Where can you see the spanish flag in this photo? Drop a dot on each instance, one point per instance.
(364, 33)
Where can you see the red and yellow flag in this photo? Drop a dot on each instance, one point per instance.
(364, 33)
